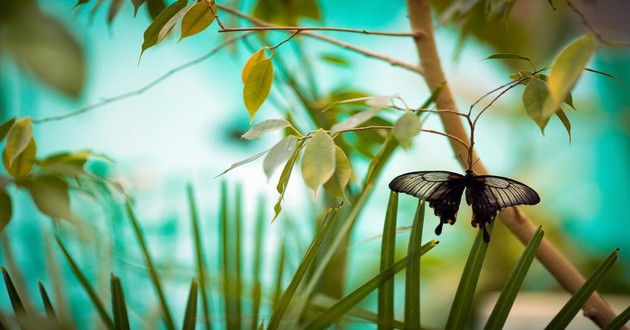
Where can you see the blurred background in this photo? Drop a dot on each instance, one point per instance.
(187, 128)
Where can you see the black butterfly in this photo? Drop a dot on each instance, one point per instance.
(443, 190)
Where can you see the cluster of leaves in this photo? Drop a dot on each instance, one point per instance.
(46, 179)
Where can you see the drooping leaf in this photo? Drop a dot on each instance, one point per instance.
(257, 86)
(283, 181)
(6, 210)
(50, 194)
(337, 183)
(601, 73)
(565, 121)
(243, 162)
(279, 154)
(198, 18)
(566, 70)
(5, 127)
(265, 127)
(136, 6)
(355, 120)
(568, 99)
(152, 33)
(318, 162)
(155, 7)
(509, 56)
(258, 56)
(168, 26)
(23, 164)
(534, 97)
(406, 128)
(14, 296)
(114, 8)
(19, 137)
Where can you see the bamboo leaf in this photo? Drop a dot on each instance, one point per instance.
(18, 139)
(152, 33)
(337, 183)
(50, 194)
(572, 307)
(257, 86)
(406, 128)
(619, 321)
(96, 301)
(190, 318)
(265, 127)
(333, 314)
(198, 246)
(6, 209)
(507, 56)
(119, 306)
(244, 161)
(198, 18)
(463, 301)
(307, 261)
(155, 278)
(388, 254)
(258, 56)
(412, 278)
(14, 296)
(596, 71)
(318, 162)
(279, 154)
(506, 299)
(48, 307)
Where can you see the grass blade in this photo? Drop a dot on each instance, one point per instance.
(100, 307)
(119, 307)
(348, 302)
(190, 318)
(201, 269)
(301, 271)
(50, 311)
(412, 278)
(14, 296)
(168, 319)
(619, 321)
(506, 299)
(462, 303)
(388, 254)
(236, 238)
(258, 255)
(571, 308)
(226, 256)
(279, 275)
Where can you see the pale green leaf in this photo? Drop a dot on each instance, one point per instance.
(253, 60)
(168, 26)
(566, 70)
(151, 35)
(50, 194)
(337, 183)
(265, 127)
(318, 162)
(279, 154)
(23, 164)
(6, 211)
(257, 86)
(66, 163)
(198, 18)
(355, 120)
(243, 162)
(565, 121)
(18, 138)
(283, 181)
(406, 128)
(535, 96)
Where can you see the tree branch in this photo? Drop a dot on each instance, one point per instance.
(515, 220)
(315, 28)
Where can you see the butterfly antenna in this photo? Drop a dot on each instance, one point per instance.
(476, 161)
(462, 159)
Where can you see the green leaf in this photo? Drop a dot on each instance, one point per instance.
(572, 307)
(335, 59)
(5, 127)
(286, 12)
(14, 296)
(18, 139)
(119, 306)
(258, 56)
(198, 18)
(114, 8)
(388, 254)
(168, 26)
(50, 194)
(283, 181)
(318, 162)
(66, 163)
(337, 183)
(265, 127)
(508, 56)
(566, 70)
(520, 75)
(23, 164)
(6, 210)
(279, 154)
(462, 307)
(377, 103)
(506, 299)
(601, 73)
(406, 128)
(565, 121)
(136, 6)
(412, 278)
(244, 161)
(620, 320)
(535, 96)
(257, 86)
(190, 318)
(334, 313)
(199, 255)
(152, 33)
(50, 311)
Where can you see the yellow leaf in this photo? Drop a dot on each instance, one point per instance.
(255, 58)
(198, 18)
(257, 86)
(23, 164)
(318, 162)
(50, 194)
(18, 139)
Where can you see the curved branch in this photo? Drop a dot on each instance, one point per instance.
(515, 220)
(316, 28)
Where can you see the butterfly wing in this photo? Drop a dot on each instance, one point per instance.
(443, 190)
(488, 194)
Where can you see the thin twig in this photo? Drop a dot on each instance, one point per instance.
(285, 40)
(316, 28)
(145, 87)
(593, 29)
(329, 40)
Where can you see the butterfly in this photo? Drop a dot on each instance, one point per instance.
(487, 194)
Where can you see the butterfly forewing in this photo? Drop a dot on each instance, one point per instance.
(504, 192)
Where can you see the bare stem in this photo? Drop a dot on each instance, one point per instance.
(593, 29)
(315, 28)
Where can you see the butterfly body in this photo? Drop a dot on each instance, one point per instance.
(443, 190)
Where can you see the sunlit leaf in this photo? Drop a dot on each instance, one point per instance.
(406, 128)
(23, 164)
(50, 194)
(265, 127)
(198, 18)
(66, 163)
(258, 56)
(279, 154)
(566, 70)
(337, 183)
(257, 86)
(568, 99)
(318, 162)
(168, 26)
(20, 135)
(243, 162)
(5, 127)
(565, 121)
(6, 210)
(535, 96)
(114, 8)
(152, 33)
(355, 120)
